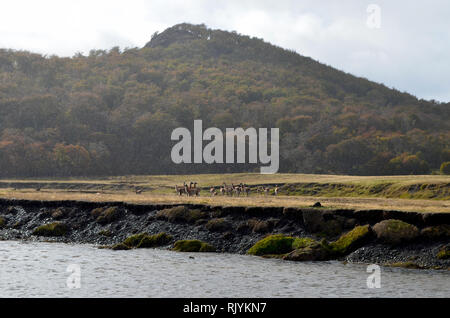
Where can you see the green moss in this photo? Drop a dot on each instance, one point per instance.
(181, 214)
(207, 248)
(272, 244)
(192, 246)
(52, 229)
(2, 222)
(120, 247)
(444, 253)
(134, 240)
(351, 240)
(302, 242)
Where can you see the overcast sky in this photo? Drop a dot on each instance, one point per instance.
(408, 49)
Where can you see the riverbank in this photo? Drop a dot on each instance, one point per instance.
(232, 229)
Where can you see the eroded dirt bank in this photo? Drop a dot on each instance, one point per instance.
(231, 229)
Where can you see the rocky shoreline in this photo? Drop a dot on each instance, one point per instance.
(236, 229)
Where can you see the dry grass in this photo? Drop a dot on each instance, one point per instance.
(254, 200)
(160, 189)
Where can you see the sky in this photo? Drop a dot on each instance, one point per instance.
(402, 44)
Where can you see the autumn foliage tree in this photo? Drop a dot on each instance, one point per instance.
(112, 112)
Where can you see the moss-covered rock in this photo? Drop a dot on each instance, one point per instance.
(193, 246)
(180, 214)
(218, 225)
(156, 240)
(436, 232)
(144, 240)
(444, 253)
(313, 252)
(352, 240)
(272, 244)
(395, 232)
(52, 229)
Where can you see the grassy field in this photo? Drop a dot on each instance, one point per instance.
(428, 193)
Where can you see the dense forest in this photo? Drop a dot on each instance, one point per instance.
(112, 112)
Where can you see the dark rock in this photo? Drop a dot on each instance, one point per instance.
(435, 218)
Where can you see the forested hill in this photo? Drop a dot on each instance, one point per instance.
(112, 112)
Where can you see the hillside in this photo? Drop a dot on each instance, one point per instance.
(112, 112)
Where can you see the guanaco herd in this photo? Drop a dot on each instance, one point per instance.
(229, 190)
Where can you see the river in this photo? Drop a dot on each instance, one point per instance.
(36, 269)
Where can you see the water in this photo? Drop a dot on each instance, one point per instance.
(31, 269)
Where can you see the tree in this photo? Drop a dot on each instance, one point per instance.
(408, 164)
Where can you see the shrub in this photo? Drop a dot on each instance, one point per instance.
(193, 246)
(272, 244)
(180, 214)
(395, 231)
(218, 225)
(109, 215)
(445, 167)
(52, 229)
